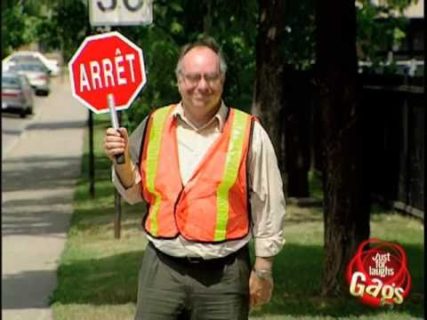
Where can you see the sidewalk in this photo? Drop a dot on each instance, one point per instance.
(39, 176)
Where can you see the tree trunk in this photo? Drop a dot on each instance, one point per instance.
(297, 99)
(346, 207)
(268, 91)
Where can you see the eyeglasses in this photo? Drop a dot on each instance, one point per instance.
(193, 79)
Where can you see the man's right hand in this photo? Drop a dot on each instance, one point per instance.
(116, 142)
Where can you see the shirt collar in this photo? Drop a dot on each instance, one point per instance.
(220, 116)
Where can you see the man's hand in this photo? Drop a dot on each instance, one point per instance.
(116, 142)
(260, 289)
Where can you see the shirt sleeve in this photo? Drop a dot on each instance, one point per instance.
(266, 195)
(132, 194)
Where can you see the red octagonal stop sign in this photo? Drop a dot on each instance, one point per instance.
(107, 64)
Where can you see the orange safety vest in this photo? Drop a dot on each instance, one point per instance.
(213, 206)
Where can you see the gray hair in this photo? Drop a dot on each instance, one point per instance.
(207, 42)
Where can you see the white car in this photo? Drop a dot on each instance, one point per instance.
(27, 56)
(36, 73)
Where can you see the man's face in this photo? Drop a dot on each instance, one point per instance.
(200, 81)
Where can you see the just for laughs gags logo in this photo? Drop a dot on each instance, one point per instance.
(378, 273)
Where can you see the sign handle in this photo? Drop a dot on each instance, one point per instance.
(120, 158)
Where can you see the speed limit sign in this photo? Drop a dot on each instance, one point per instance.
(120, 12)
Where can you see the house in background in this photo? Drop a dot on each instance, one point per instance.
(413, 44)
(406, 56)
(394, 97)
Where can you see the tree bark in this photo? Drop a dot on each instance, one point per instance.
(268, 90)
(346, 206)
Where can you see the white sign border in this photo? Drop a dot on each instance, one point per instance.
(78, 52)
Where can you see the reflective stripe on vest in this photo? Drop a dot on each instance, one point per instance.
(232, 162)
(153, 152)
(213, 205)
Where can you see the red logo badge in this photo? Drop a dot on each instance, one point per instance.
(378, 273)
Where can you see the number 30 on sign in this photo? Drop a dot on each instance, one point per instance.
(120, 12)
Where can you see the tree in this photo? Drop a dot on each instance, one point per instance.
(379, 28)
(267, 101)
(16, 27)
(346, 207)
(298, 54)
(71, 25)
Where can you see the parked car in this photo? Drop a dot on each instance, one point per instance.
(16, 94)
(37, 74)
(31, 56)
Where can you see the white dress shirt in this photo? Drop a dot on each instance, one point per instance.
(265, 187)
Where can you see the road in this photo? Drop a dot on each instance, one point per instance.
(39, 170)
(13, 126)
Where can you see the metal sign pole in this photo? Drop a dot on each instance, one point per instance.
(91, 157)
(111, 14)
(120, 159)
(118, 216)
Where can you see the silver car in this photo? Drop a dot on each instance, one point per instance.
(32, 56)
(37, 74)
(16, 94)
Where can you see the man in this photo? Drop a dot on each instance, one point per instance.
(210, 178)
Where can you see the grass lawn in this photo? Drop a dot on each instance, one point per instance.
(98, 273)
